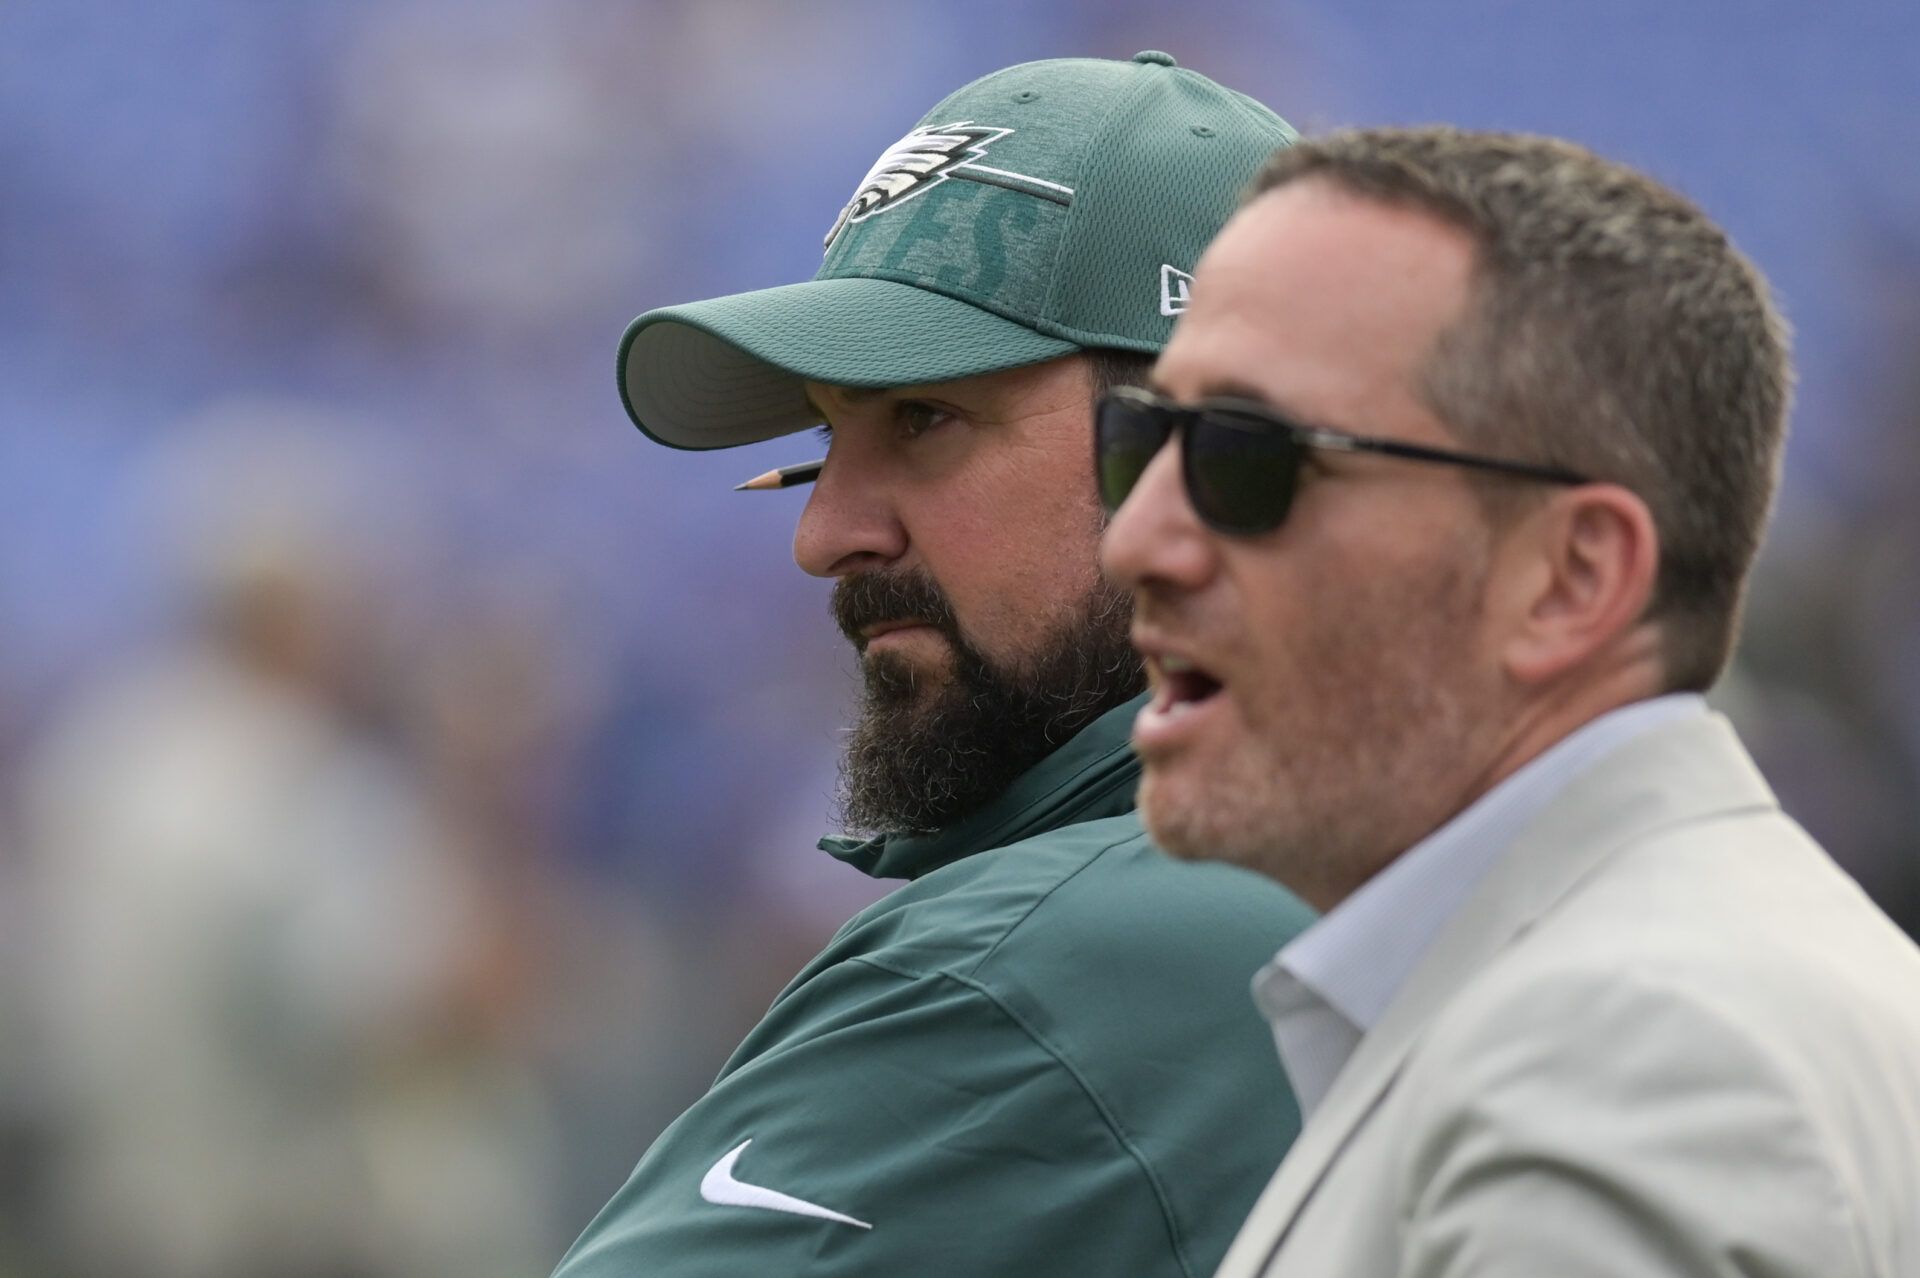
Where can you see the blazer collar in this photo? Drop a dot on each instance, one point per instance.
(1682, 771)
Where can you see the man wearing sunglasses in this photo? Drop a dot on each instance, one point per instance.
(1437, 520)
(1036, 1056)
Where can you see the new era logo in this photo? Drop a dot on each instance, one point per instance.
(1174, 284)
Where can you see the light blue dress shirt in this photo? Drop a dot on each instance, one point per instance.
(1331, 984)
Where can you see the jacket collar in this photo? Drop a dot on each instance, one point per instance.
(1686, 770)
(1093, 775)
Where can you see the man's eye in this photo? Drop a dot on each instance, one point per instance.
(824, 433)
(916, 418)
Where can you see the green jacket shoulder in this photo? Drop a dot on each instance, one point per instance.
(1037, 1059)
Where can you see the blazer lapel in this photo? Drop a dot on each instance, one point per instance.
(1681, 771)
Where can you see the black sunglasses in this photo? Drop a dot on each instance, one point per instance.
(1241, 462)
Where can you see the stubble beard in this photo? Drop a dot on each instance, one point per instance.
(1370, 746)
(930, 748)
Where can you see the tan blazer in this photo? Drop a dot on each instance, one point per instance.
(1665, 1036)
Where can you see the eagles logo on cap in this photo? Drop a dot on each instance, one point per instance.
(929, 156)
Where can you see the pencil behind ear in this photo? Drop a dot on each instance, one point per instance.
(783, 477)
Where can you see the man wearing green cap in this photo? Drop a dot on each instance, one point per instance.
(1038, 1056)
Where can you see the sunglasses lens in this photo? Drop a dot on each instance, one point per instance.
(1127, 434)
(1240, 477)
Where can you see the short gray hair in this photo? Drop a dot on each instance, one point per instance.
(1613, 330)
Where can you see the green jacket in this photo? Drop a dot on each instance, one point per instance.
(1037, 1057)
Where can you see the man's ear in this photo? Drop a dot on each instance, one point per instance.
(1576, 576)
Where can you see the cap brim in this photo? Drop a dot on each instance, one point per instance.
(730, 371)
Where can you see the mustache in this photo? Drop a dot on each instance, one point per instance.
(868, 598)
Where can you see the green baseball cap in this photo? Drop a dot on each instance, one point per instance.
(1041, 210)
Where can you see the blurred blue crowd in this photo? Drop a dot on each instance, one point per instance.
(409, 775)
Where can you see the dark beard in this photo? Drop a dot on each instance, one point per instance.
(919, 757)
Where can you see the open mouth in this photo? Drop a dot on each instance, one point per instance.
(1182, 686)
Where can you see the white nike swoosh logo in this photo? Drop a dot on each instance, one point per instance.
(719, 1186)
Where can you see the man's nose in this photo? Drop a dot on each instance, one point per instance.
(1155, 539)
(850, 523)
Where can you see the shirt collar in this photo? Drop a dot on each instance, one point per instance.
(1353, 961)
(1093, 775)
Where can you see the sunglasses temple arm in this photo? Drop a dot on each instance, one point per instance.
(1496, 465)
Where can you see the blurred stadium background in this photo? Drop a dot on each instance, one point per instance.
(409, 777)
